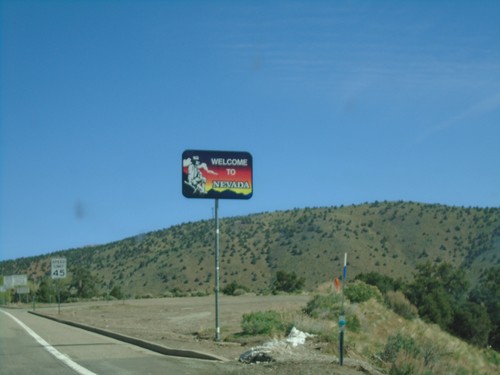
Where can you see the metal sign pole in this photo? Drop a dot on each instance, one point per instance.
(58, 272)
(58, 297)
(342, 315)
(217, 286)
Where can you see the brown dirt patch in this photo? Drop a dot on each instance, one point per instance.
(189, 323)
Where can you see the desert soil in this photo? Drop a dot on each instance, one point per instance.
(189, 323)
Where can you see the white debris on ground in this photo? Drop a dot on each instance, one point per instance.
(263, 353)
(297, 337)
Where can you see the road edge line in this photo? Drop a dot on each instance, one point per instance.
(135, 341)
(56, 353)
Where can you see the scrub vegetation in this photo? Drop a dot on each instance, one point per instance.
(432, 262)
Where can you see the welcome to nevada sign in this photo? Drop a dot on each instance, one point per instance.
(217, 174)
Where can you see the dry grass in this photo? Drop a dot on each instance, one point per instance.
(438, 351)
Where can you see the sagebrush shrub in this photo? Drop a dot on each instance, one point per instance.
(398, 343)
(398, 303)
(359, 291)
(264, 323)
(324, 306)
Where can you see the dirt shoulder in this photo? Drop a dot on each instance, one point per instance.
(189, 324)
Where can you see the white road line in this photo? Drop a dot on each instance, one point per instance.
(60, 356)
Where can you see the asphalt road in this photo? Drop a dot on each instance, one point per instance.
(34, 345)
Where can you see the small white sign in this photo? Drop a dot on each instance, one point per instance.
(12, 281)
(58, 270)
(23, 290)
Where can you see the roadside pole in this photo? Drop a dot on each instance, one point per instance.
(58, 272)
(342, 315)
(58, 296)
(217, 285)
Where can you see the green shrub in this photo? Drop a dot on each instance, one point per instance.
(422, 356)
(437, 290)
(176, 292)
(200, 293)
(358, 292)
(406, 364)
(472, 323)
(352, 323)
(116, 292)
(288, 282)
(397, 343)
(398, 303)
(234, 289)
(487, 293)
(324, 306)
(264, 323)
(382, 282)
(492, 356)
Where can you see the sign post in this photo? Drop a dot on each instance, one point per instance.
(58, 271)
(2, 294)
(217, 269)
(217, 175)
(14, 281)
(342, 315)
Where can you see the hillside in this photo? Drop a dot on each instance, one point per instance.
(387, 237)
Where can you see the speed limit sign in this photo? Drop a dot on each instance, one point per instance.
(58, 270)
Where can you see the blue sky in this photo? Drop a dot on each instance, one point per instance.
(339, 102)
